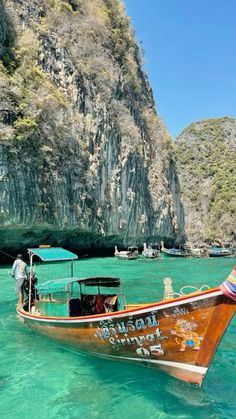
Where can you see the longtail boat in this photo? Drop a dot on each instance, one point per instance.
(219, 252)
(150, 252)
(129, 254)
(90, 315)
(175, 252)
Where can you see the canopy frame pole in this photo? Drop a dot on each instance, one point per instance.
(30, 279)
(72, 269)
(123, 296)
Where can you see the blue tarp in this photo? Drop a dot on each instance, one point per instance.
(62, 285)
(59, 285)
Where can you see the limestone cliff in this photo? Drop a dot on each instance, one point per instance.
(80, 143)
(205, 153)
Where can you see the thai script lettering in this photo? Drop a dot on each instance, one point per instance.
(108, 329)
(122, 333)
(175, 312)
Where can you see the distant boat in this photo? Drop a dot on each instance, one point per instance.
(126, 254)
(197, 252)
(174, 252)
(150, 252)
(216, 251)
(90, 315)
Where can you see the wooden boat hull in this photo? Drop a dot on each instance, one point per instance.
(150, 254)
(219, 254)
(176, 254)
(178, 336)
(126, 256)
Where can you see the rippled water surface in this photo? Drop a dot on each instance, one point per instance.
(41, 380)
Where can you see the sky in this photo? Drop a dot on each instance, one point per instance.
(189, 57)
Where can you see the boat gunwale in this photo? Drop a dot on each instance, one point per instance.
(96, 317)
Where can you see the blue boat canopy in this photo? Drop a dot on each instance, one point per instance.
(53, 254)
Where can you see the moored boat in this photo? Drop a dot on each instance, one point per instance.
(216, 251)
(178, 336)
(174, 252)
(197, 251)
(126, 254)
(150, 252)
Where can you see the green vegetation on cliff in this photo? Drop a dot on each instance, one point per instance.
(205, 153)
(80, 142)
(96, 37)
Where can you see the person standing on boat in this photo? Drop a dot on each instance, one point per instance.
(20, 273)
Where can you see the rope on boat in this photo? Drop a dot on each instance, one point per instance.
(7, 254)
(194, 289)
(169, 293)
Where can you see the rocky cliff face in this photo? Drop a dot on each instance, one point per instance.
(80, 142)
(205, 153)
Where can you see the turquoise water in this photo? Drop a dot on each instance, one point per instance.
(39, 379)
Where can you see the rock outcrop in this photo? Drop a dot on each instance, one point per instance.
(206, 165)
(80, 143)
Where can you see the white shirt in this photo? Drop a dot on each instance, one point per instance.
(19, 269)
